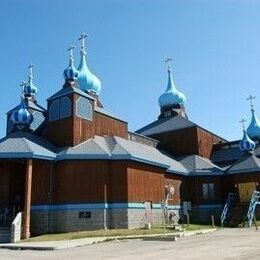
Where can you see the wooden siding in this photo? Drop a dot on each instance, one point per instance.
(206, 141)
(145, 183)
(74, 130)
(60, 132)
(179, 142)
(89, 182)
(12, 183)
(193, 140)
(181, 192)
(41, 171)
(196, 192)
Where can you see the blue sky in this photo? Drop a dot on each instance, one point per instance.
(215, 46)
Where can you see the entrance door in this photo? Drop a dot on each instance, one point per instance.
(246, 191)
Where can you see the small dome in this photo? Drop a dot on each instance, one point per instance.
(253, 129)
(171, 96)
(86, 80)
(246, 144)
(21, 117)
(29, 90)
(71, 73)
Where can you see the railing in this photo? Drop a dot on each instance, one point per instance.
(231, 200)
(255, 200)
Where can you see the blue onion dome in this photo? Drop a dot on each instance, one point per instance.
(171, 96)
(70, 73)
(21, 117)
(29, 90)
(87, 81)
(253, 129)
(246, 144)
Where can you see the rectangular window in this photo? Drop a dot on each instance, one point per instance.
(208, 191)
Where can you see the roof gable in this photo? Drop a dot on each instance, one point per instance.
(26, 145)
(249, 163)
(165, 125)
(198, 165)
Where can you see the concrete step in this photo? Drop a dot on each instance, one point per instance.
(5, 235)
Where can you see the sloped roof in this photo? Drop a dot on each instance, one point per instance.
(69, 90)
(94, 148)
(107, 113)
(165, 125)
(247, 163)
(145, 153)
(32, 105)
(257, 150)
(198, 165)
(117, 148)
(26, 145)
(229, 154)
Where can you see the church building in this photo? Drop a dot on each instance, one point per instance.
(74, 166)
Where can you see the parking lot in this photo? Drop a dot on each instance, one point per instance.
(222, 244)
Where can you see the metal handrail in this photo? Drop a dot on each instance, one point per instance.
(255, 200)
(231, 199)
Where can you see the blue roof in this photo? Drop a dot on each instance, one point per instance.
(253, 129)
(38, 113)
(30, 104)
(171, 96)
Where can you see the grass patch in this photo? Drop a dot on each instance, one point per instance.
(112, 233)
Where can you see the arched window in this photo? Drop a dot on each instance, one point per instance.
(84, 108)
(65, 107)
(54, 110)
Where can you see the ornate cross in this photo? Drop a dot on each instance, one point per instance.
(70, 49)
(251, 98)
(168, 62)
(243, 121)
(22, 85)
(82, 39)
(31, 71)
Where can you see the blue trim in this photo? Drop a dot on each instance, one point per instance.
(99, 206)
(25, 155)
(209, 206)
(245, 171)
(83, 157)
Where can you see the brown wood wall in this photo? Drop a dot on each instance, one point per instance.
(41, 181)
(181, 191)
(193, 140)
(74, 130)
(145, 183)
(89, 182)
(12, 182)
(196, 192)
(179, 142)
(206, 141)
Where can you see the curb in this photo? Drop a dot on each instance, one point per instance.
(89, 241)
